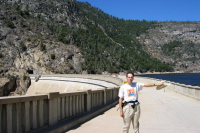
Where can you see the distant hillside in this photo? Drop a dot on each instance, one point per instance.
(177, 43)
(66, 36)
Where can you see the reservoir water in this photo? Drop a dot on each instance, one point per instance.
(182, 78)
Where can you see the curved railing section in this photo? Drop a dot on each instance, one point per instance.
(33, 112)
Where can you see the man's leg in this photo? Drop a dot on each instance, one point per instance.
(128, 116)
(136, 116)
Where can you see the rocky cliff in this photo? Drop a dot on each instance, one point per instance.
(36, 50)
(26, 43)
(175, 42)
(14, 82)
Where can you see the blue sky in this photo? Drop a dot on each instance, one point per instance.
(159, 10)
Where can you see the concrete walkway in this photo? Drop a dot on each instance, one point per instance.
(161, 112)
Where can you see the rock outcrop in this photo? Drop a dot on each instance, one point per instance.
(14, 82)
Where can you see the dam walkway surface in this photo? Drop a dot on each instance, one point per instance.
(162, 111)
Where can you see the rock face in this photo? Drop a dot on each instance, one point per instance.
(175, 42)
(6, 86)
(28, 45)
(36, 50)
(38, 57)
(15, 82)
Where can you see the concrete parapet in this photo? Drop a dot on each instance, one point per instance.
(187, 90)
(31, 113)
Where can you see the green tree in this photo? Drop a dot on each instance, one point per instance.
(52, 56)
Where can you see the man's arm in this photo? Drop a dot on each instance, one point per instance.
(151, 85)
(120, 107)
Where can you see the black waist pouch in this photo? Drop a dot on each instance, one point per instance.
(133, 102)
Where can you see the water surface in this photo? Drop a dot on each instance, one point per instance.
(183, 78)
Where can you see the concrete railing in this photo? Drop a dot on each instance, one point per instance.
(29, 113)
(187, 90)
(25, 113)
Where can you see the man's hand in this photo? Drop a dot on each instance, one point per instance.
(121, 114)
(159, 84)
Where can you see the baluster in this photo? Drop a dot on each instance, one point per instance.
(9, 118)
(27, 116)
(41, 112)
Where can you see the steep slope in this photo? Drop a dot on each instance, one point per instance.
(175, 42)
(66, 36)
(28, 43)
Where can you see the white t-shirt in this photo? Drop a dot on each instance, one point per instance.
(130, 92)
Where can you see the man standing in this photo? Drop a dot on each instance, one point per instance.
(131, 107)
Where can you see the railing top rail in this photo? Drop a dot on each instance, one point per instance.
(16, 99)
(72, 93)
